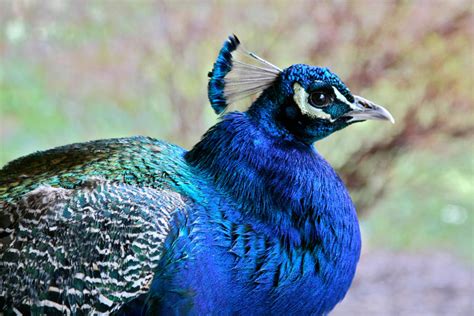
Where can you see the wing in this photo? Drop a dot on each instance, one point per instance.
(89, 249)
(140, 161)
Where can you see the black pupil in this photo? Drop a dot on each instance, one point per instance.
(319, 99)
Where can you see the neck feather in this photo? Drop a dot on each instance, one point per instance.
(282, 183)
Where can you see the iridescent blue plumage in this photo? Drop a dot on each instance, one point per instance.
(252, 220)
(302, 232)
(221, 68)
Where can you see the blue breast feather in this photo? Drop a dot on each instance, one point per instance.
(291, 234)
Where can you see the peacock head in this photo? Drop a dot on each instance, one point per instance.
(306, 102)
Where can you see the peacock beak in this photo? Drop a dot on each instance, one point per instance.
(363, 109)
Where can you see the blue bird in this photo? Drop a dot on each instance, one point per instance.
(250, 221)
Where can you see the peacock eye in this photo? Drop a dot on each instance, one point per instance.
(320, 99)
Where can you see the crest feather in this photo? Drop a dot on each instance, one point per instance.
(238, 73)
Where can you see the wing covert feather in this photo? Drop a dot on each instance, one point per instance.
(88, 249)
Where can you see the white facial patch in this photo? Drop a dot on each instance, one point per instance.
(301, 98)
(342, 98)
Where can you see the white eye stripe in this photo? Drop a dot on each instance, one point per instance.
(301, 98)
(342, 98)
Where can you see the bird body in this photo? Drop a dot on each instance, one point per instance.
(251, 220)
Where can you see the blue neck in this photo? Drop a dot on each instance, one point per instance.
(275, 178)
(288, 193)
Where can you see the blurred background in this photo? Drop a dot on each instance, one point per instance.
(72, 71)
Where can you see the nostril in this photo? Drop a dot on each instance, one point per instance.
(366, 105)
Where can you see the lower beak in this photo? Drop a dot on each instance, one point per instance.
(363, 109)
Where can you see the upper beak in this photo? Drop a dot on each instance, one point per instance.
(363, 109)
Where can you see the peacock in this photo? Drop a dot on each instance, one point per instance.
(251, 221)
